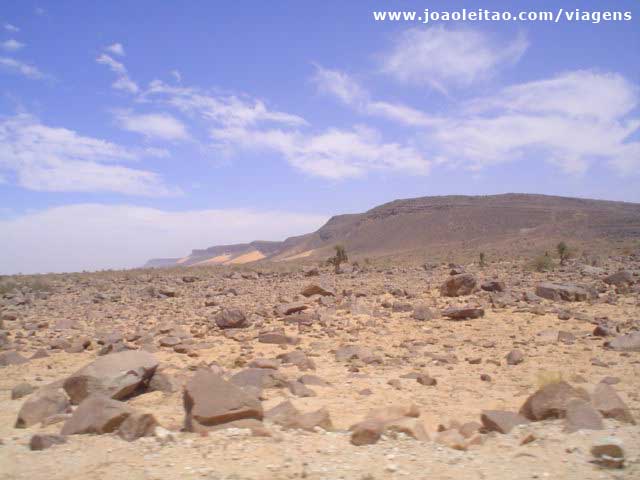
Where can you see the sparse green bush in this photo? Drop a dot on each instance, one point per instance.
(542, 263)
(339, 257)
(563, 252)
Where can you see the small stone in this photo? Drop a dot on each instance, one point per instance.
(515, 357)
(21, 390)
(44, 441)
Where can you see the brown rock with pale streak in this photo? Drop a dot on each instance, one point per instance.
(117, 375)
(210, 400)
(138, 425)
(581, 415)
(41, 405)
(550, 401)
(607, 401)
(97, 414)
(501, 421)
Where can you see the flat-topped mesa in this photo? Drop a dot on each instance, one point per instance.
(442, 224)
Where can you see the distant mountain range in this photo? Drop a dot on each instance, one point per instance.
(420, 226)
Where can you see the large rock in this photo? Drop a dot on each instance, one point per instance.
(117, 375)
(458, 285)
(11, 358)
(493, 286)
(315, 289)
(463, 313)
(625, 343)
(288, 416)
(231, 318)
(607, 401)
(210, 400)
(623, 277)
(501, 421)
(40, 406)
(43, 441)
(138, 425)
(259, 378)
(97, 414)
(551, 401)
(581, 415)
(567, 292)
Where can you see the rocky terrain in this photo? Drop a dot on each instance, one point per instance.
(272, 371)
(503, 225)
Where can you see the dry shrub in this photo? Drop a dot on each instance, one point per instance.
(548, 377)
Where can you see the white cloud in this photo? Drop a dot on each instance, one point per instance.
(339, 85)
(20, 68)
(177, 75)
(334, 154)
(572, 120)
(604, 96)
(348, 91)
(123, 82)
(11, 28)
(223, 109)
(40, 11)
(11, 45)
(92, 236)
(116, 49)
(439, 57)
(59, 160)
(153, 125)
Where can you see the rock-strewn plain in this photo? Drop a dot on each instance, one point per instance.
(293, 371)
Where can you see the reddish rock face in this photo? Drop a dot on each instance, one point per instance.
(458, 285)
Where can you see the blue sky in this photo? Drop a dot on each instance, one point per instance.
(131, 130)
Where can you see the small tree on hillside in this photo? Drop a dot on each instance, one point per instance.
(482, 259)
(339, 257)
(563, 252)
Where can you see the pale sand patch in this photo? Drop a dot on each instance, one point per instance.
(246, 258)
(215, 260)
(295, 257)
(183, 259)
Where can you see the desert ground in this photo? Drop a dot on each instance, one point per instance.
(374, 372)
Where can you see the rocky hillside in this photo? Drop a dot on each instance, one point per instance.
(510, 222)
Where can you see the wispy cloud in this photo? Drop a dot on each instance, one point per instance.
(116, 49)
(343, 87)
(20, 68)
(153, 125)
(222, 109)
(177, 75)
(11, 45)
(333, 154)
(571, 120)
(11, 28)
(60, 160)
(442, 58)
(123, 81)
(94, 236)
